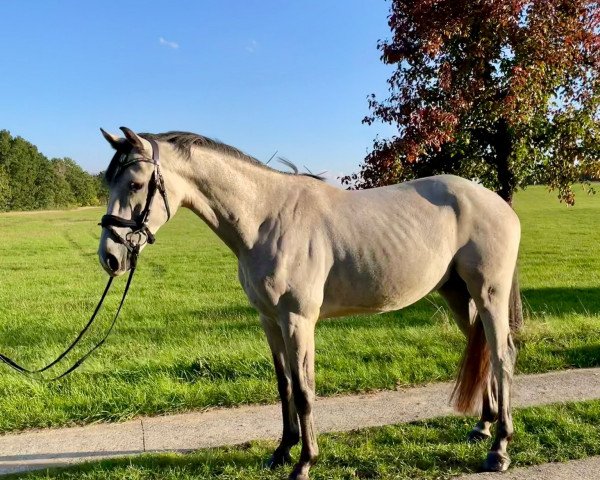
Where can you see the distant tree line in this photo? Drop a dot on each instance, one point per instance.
(30, 181)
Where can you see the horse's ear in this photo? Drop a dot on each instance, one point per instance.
(114, 141)
(132, 137)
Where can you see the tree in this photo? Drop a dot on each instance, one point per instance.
(82, 183)
(63, 194)
(102, 193)
(504, 91)
(28, 171)
(4, 189)
(28, 180)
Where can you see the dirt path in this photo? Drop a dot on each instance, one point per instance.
(184, 432)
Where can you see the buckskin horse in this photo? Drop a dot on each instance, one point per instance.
(307, 250)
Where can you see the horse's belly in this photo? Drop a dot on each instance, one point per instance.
(355, 293)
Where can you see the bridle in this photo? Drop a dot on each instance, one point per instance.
(139, 235)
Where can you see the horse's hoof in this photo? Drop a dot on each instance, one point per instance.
(496, 462)
(278, 460)
(299, 473)
(299, 476)
(476, 436)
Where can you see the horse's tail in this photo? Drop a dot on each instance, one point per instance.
(474, 371)
(475, 364)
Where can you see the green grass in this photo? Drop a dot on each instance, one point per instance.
(187, 338)
(435, 449)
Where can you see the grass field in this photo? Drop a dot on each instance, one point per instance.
(188, 340)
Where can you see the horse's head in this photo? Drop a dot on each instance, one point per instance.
(138, 204)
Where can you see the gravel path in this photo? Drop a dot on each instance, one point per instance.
(183, 432)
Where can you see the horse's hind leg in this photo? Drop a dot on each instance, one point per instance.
(489, 413)
(492, 301)
(458, 298)
(291, 429)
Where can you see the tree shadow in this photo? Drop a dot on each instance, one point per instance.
(586, 356)
(562, 301)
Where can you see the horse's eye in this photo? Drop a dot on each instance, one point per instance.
(135, 186)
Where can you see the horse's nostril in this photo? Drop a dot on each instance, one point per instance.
(112, 262)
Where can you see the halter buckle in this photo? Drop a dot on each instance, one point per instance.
(137, 238)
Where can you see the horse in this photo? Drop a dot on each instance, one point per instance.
(308, 250)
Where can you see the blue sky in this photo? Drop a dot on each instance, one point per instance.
(261, 75)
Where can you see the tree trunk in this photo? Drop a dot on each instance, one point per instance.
(503, 145)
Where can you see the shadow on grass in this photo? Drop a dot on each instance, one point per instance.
(222, 368)
(245, 318)
(248, 461)
(429, 311)
(586, 356)
(562, 301)
(428, 449)
(159, 465)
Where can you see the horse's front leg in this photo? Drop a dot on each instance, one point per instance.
(299, 337)
(291, 429)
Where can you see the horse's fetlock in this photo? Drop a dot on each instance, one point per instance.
(303, 403)
(291, 438)
(310, 457)
(505, 432)
(303, 397)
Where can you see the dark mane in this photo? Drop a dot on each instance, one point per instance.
(184, 141)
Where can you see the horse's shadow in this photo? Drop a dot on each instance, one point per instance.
(160, 463)
(562, 301)
(239, 461)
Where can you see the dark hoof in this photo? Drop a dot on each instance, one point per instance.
(476, 436)
(299, 476)
(299, 473)
(278, 460)
(496, 462)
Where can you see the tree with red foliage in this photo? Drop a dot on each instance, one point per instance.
(504, 91)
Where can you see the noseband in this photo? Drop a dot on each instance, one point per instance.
(140, 234)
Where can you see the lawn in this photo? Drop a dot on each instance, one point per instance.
(187, 338)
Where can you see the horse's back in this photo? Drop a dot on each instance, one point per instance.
(392, 245)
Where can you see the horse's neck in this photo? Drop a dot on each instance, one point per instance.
(232, 195)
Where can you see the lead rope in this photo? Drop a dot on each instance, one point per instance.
(114, 321)
(15, 366)
(109, 221)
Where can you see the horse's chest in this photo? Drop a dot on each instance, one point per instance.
(262, 284)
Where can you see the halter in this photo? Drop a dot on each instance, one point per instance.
(140, 234)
